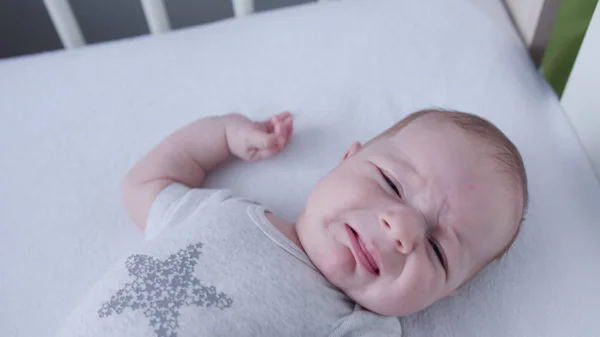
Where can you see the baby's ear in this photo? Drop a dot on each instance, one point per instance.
(352, 150)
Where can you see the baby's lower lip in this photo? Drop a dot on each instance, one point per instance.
(359, 253)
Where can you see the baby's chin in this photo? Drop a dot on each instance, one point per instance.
(360, 294)
(382, 308)
(371, 304)
(380, 302)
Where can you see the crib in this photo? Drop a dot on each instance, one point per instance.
(72, 122)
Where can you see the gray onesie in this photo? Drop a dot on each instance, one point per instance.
(215, 266)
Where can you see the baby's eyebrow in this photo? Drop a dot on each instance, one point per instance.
(403, 163)
(444, 209)
(406, 161)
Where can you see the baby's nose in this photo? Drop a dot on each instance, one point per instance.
(405, 227)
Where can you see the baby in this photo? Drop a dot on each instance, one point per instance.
(401, 222)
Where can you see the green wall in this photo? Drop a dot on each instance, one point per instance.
(572, 21)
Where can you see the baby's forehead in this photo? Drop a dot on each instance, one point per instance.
(435, 140)
(470, 143)
(454, 161)
(441, 126)
(431, 136)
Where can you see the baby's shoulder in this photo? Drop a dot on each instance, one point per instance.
(178, 204)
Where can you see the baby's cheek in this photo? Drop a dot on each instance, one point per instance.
(421, 285)
(337, 265)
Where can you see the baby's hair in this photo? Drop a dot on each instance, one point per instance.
(505, 151)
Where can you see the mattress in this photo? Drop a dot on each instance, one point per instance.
(73, 122)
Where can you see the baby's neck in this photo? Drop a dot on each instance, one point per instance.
(287, 228)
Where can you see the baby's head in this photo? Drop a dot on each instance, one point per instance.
(408, 218)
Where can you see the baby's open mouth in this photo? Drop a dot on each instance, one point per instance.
(362, 253)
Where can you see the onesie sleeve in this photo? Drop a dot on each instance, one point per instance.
(364, 323)
(176, 202)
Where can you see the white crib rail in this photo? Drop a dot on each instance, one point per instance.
(540, 22)
(242, 7)
(65, 23)
(156, 15)
(154, 10)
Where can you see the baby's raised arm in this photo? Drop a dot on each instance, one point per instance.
(189, 154)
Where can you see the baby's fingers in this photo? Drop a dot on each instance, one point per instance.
(269, 124)
(256, 153)
(283, 127)
(265, 154)
(268, 138)
(280, 117)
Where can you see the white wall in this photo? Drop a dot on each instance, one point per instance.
(581, 98)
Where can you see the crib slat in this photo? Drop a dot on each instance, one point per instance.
(65, 23)
(156, 15)
(242, 7)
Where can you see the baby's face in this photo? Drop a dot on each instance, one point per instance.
(404, 221)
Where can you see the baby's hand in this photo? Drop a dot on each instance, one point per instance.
(253, 141)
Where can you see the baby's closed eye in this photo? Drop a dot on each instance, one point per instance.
(438, 251)
(392, 185)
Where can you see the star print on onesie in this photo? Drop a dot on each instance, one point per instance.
(161, 288)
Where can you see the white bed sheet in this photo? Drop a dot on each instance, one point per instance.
(72, 123)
